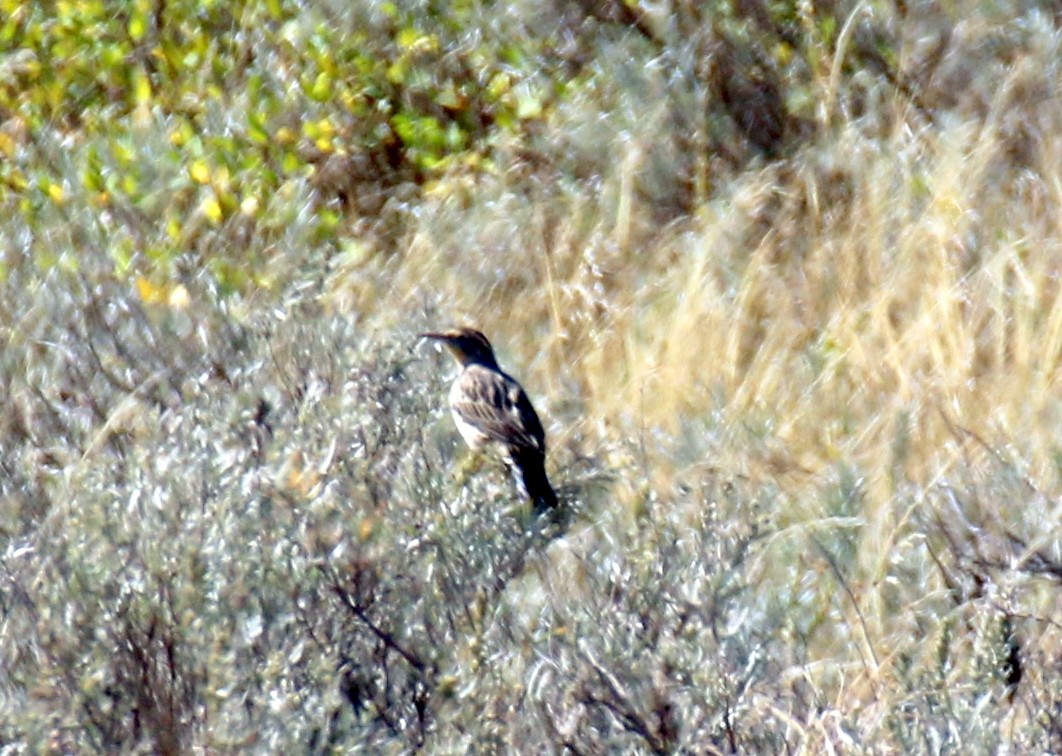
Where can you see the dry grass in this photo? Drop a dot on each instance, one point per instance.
(806, 414)
(874, 316)
(858, 294)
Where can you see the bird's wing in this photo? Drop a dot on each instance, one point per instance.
(494, 404)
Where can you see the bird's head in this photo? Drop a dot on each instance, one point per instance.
(467, 345)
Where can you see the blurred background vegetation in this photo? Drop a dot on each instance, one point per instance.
(783, 280)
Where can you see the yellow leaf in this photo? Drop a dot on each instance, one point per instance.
(200, 172)
(55, 192)
(211, 208)
(499, 84)
(149, 292)
(407, 37)
(137, 26)
(396, 72)
(322, 87)
(414, 39)
(141, 87)
(284, 136)
(180, 135)
(348, 99)
(290, 162)
(7, 144)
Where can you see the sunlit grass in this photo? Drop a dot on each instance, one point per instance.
(804, 411)
(881, 312)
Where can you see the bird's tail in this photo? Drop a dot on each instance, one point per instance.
(531, 465)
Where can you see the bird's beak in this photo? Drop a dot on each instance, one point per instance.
(439, 340)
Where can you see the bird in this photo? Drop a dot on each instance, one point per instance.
(492, 410)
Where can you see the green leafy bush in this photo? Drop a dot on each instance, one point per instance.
(778, 275)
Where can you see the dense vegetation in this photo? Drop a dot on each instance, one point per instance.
(782, 278)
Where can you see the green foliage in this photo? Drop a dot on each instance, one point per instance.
(228, 517)
(365, 104)
(194, 127)
(268, 553)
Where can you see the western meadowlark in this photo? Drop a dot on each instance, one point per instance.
(490, 409)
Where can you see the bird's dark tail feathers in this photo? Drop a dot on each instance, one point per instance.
(531, 465)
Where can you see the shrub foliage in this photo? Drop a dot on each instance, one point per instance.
(781, 277)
